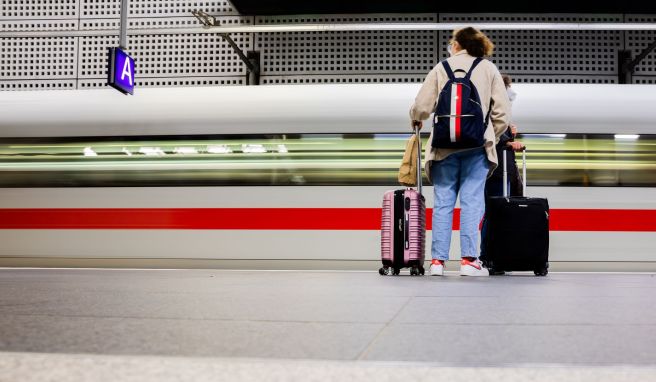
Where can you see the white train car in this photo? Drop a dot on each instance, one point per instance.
(293, 176)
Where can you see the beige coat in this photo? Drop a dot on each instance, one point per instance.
(488, 82)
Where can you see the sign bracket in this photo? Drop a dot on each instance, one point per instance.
(123, 36)
(251, 59)
(627, 66)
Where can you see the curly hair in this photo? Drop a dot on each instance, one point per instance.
(475, 42)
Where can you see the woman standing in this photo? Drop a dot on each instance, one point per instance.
(462, 171)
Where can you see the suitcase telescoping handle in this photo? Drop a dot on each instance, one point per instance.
(419, 178)
(505, 172)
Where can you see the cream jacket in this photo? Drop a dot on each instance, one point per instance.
(488, 82)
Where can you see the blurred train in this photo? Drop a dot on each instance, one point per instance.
(292, 176)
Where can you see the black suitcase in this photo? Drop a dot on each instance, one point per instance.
(517, 236)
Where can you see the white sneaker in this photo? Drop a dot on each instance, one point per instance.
(437, 268)
(472, 268)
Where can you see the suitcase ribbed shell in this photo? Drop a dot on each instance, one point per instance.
(414, 254)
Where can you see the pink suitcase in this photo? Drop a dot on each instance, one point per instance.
(403, 230)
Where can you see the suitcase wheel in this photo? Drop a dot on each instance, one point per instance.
(396, 271)
(493, 271)
(416, 271)
(541, 272)
(384, 271)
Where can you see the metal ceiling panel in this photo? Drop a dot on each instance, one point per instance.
(289, 7)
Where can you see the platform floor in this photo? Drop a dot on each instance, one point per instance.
(67, 323)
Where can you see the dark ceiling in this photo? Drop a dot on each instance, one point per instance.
(289, 7)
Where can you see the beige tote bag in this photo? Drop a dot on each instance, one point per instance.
(408, 170)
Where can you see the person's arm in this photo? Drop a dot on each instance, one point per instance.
(500, 113)
(505, 138)
(425, 101)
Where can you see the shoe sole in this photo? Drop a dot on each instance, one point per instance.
(473, 275)
(438, 274)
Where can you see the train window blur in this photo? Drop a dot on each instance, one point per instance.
(306, 159)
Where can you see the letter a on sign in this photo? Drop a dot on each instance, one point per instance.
(120, 73)
(126, 71)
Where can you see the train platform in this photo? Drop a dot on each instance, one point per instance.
(160, 325)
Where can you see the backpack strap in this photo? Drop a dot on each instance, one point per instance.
(468, 76)
(448, 70)
(489, 111)
(474, 64)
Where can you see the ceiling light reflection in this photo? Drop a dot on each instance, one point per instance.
(627, 136)
(151, 151)
(88, 152)
(219, 149)
(185, 150)
(253, 149)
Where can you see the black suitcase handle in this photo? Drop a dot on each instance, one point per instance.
(506, 192)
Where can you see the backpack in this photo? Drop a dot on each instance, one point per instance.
(458, 121)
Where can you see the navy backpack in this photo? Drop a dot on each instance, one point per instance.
(458, 122)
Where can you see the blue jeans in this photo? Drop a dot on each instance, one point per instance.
(462, 172)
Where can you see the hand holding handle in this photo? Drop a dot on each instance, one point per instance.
(515, 146)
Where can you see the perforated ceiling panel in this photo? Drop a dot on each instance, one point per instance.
(194, 59)
(161, 60)
(342, 79)
(371, 56)
(550, 56)
(40, 25)
(38, 9)
(173, 55)
(158, 23)
(102, 9)
(47, 62)
(42, 59)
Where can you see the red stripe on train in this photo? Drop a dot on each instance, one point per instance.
(286, 219)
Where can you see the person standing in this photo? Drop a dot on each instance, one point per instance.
(515, 180)
(494, 184)
(462, 171)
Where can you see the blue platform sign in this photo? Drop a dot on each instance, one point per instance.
(121, 71)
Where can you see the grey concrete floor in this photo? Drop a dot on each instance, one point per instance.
(562, 320)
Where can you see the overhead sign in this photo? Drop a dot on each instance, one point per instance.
(121, 71)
